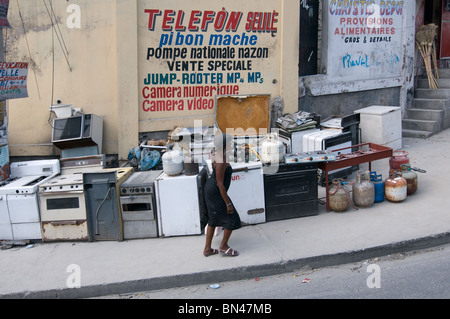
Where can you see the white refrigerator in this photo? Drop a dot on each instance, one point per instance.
(247, 191)
(177, 205)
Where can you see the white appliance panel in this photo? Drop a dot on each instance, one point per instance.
(27, 231)
(4, 214)
(23, 208)
(5, 223)
(178, 206)
(247, 192)
(6, 232)
(297, 140)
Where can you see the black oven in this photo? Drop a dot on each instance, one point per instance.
(291, 192)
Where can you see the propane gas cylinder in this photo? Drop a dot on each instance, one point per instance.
(395, 187)
(363, 189)
(398, 158)
(378, 184)
(338, 196)
(411, 178)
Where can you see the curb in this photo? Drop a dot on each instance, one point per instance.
(233, 274)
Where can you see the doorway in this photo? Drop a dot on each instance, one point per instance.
(438, 12)
(445, 30)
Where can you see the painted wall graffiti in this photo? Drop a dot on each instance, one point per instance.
(366, 38)
(188, 56)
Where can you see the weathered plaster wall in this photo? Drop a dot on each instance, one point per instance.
(71, 64)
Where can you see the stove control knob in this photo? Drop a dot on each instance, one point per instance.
(137, 190)
(124, 190)
(148, 190)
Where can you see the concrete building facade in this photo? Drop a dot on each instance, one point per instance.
(146, 66)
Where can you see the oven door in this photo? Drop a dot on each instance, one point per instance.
(291, 194)
(63, 206)
(63, 216)
(138, 216)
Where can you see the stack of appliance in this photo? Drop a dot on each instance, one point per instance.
(78, 135)
(19, 203)
(335, 134)
(62, 200)
(138, 204)
(104, 214)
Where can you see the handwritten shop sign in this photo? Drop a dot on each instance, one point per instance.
(13, 80)
(191, 54)
(366, 37)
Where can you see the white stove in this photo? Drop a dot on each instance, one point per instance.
(62, 200)
(138, 203)
(19, 204)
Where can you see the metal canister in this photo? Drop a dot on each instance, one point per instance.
(395, 187)
(378, 184)
(398, 158)
(411, 178)
(338, 196)
(363, 189)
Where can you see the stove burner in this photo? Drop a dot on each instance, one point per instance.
(140, 183)
(36, 181)
(7, 181)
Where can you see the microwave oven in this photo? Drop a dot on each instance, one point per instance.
(78, 131)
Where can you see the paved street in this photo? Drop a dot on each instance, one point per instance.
(419, 274)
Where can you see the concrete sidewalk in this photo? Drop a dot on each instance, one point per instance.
(422, 220)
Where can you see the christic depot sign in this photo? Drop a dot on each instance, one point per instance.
(189, 52)
(366, 37)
